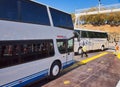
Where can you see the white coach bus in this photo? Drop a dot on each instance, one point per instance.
(35, 41)
(94, 40)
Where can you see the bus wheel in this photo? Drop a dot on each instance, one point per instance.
(55, 70)
(102, 47)
(79, 50)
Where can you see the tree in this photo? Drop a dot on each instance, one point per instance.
(73, 17)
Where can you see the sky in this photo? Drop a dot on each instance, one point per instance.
(71, 5)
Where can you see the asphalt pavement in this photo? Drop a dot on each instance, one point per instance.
(101, 72)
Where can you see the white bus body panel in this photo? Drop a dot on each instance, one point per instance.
(23, 31)
(91, 43)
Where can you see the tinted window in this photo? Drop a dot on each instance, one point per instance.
(97, 34)
(76, 33)
(61, 19)
(91, 34)
(65, 46)
(18, 52)
(70, 45)
(104, 35)
(62, 46)
(84, 34)
(34, 13)
(9, 10)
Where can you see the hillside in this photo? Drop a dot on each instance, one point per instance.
(106, 28)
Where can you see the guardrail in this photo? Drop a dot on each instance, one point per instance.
(95, 10)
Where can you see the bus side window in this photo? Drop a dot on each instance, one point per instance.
(7, 50)
(1, 51)
(25, 49)
(18, 50)
(84, 34)
(40, 47)
(10, 50)
(61, 46)
(37, 16)
(51, 49)
(29, 48)
(70, 45)
(44, 49)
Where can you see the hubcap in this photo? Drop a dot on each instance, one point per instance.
(102, 48)
(79, 51)
(55, 70)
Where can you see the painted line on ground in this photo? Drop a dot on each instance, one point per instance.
(85, 61)
(92, 58)
(117, 54)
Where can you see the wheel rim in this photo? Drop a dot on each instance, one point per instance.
(79, 51)
(102, 48)
(55, 70)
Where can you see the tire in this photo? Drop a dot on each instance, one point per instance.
(55, 70)
(79, 50)
(102, 48)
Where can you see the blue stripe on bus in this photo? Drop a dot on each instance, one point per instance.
(67, 64)
(27, 80)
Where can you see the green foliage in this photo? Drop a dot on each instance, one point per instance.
(112, 19)
(73, 17)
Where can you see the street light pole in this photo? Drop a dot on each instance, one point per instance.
(99, 2)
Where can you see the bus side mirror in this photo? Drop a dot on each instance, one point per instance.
(77, 35)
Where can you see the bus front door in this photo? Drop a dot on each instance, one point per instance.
(70, 52)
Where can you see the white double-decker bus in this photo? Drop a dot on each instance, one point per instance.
(92, 39)
(35, 41)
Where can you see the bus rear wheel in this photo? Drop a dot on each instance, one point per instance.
(55, 70)
(80, 50)
(102, 47)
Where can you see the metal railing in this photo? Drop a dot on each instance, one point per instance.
(96, 9)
